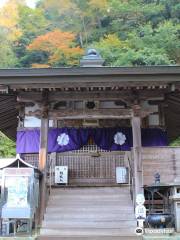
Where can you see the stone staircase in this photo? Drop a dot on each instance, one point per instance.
(89, 213)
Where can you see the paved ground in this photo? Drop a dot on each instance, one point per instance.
(162, 237)
(147, 237)
(17, 238)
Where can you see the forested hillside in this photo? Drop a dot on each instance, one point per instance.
(56, 32)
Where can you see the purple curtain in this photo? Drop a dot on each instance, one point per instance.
(68, 139)
(105, 138)
(153, 137)
(74, 139)
(28, 141)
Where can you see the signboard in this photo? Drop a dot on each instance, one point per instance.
(17, 191)
(18, 171)
(121, 175)
(61, 174)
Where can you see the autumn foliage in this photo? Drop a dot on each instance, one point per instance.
(55, 32)
(60, 47)
(9, 20)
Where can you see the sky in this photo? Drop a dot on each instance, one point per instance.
(30, 3)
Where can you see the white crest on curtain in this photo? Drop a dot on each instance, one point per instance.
(63, 139)
(119, 138)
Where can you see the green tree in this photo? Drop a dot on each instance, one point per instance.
(32, 23)
(83, 18)
(8, 58)
(175, 143)
(149, 30)
(143, 46)
(7, 147)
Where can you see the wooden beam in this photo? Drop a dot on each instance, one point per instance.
(138, 176)
(42, 166)
(43, 155)
(43, 143)
(107, 114)
(126, 95)
(86, 114)
(72, 114)
(72, 82)
(105, 95)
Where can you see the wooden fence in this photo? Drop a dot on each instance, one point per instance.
(165, 161)
(92, 165)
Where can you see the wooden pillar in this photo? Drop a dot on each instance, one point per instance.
(138, 177)
(42, 166)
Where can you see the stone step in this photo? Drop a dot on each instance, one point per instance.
(90, 190)
(88, 232)
(93, 213)
(82, 196)
(89, 209)
(54, 224)
(89, 203)
(89, 216)
(89, 238)
(93, 203)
